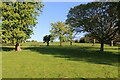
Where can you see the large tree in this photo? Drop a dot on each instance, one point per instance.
(58, 30)
(98, 18)
(19, 18)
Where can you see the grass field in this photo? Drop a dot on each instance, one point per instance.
(82, 60)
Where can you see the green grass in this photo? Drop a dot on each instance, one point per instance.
(77, 61)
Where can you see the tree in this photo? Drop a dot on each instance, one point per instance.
(69, 33)
(99, 19)
(19, 18)
(58, 30)
(118, 16)
(0, 35)
(82, 40)
(90, 38)
(33, 41)
(115, 40)
(46, 39)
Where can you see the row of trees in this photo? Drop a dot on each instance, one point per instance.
(90, 39)
(61, 31)
(64, 32)
(99, 19)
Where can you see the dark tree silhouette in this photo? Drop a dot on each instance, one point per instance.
(99, 19)
(46, 39)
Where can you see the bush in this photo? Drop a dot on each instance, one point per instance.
(4, 44)
(76, 41)
(33, 41)
(82, 40)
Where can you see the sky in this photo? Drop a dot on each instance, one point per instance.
(52, 12)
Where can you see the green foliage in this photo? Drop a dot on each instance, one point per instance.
(19, 18)
(82, 40)
(118, 16)
(46, 39)
(89, 38)
(116, 40)
(76, 41)
(33, 41)
(99, 19)
(58, 30)
(69, 34)
(0, 32)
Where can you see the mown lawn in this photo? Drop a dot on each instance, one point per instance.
(77, 61)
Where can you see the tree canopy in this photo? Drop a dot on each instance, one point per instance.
(46, 39)
(19, 18)
(58, 30)
(69, 33)
(97, 18)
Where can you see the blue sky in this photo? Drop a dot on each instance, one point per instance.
(52, 12)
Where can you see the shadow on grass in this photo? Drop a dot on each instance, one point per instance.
(77, 53)
(7, 48)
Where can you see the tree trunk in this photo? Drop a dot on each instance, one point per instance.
(93, 42)
(111, 43)
(70, 43)
(102, 46)
(17, 47)
(47, 43)
(60, 41)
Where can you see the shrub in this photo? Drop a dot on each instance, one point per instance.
(76, 41)
(82, 40)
